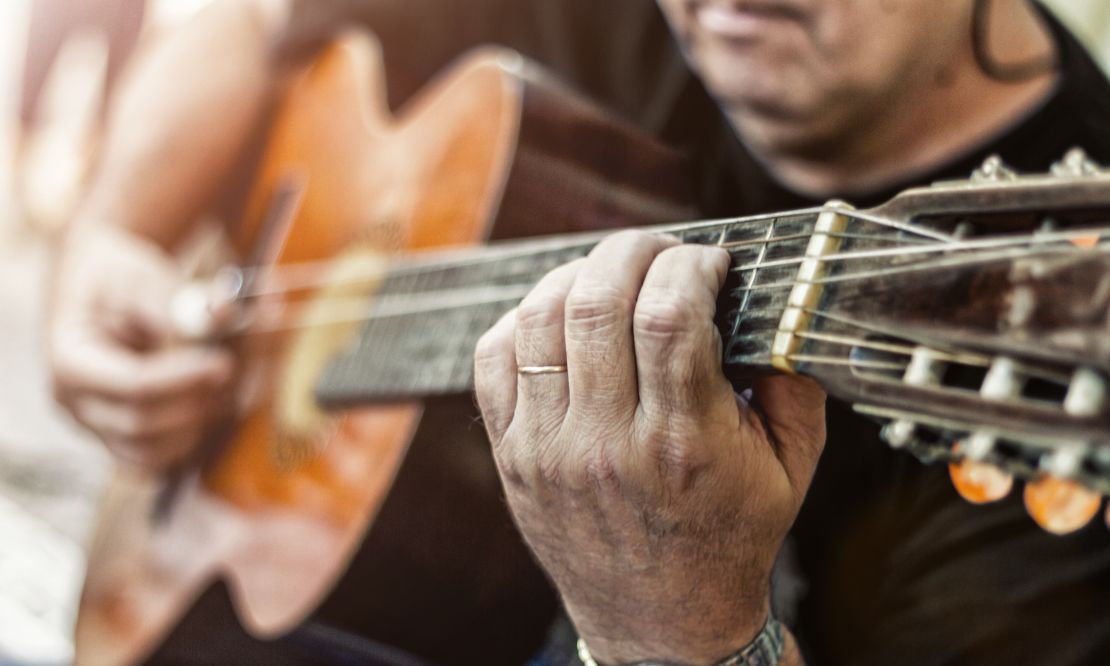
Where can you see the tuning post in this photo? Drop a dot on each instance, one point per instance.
(1076, 164)
(1065, 462)
(898, 434)
(924, 369)
(1086, 395)
(979, 446)
(1002, 381)
(993, 170)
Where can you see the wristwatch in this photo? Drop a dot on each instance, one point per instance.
(765, 650)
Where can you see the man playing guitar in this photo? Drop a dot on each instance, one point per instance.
(656, 500)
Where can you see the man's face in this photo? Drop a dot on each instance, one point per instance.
(806, 68)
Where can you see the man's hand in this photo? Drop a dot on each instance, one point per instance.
(115, 363)
(655, 497)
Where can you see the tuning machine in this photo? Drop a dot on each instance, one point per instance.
(993, 170)
(974, 478)
(1076, 164)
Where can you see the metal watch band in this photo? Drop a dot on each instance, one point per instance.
(766, 649)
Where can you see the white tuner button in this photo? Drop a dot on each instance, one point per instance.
(1064, 462)
(979, 446)
(1086, 394)
(898, 434)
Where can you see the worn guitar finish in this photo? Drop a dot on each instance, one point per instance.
(282, 502)
(939, 314)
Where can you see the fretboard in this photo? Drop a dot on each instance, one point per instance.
(427, 315)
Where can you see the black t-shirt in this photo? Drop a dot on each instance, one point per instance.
(887, 564)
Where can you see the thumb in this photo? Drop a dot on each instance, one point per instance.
(793, 410)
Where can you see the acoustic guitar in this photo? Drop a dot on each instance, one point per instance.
(360, 295)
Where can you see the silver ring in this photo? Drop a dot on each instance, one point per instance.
(541, 369)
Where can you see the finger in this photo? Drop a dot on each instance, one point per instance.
(102, 367)
(185, 413)
(793, 409)
(133, 299)
(495, 377)
(600, 356)
(540, 341)
(158, 455)
(678, 358)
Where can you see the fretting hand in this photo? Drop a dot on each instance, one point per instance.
(654, 496)
(115, 362)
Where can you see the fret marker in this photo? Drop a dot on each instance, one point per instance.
(805, 295)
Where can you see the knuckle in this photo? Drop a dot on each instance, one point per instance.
(602, 470)
(133, 425)
(510, 464)
(549, 471)
(595, 308)
(491, 346)
(539, 312)
(632, 239)
(681, 461)
(663, 313)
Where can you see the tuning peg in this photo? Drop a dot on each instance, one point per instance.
(1060, 506)
(978, 482)
(1086, 395)
(1076, 164)
(993, 169)
(1064, 463)
(898, 434)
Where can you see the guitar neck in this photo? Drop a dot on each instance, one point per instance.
(427, 316)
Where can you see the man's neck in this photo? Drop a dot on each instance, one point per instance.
(906, 137)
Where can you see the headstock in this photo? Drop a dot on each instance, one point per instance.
(984, 340)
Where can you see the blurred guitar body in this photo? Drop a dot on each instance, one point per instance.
(284, 501)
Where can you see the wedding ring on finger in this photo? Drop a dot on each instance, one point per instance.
(541, 369)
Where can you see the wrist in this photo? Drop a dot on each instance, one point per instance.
(706, 634)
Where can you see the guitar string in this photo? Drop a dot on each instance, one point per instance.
(962, 358)
(396, 305)
(306, 275)
(493, 255)
(981, 243)
(985, 243)
(883, 272)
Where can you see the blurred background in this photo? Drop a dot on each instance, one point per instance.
(50, 472)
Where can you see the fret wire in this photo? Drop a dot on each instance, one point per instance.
(751, 280)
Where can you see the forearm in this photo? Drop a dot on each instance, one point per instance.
(181, 119)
